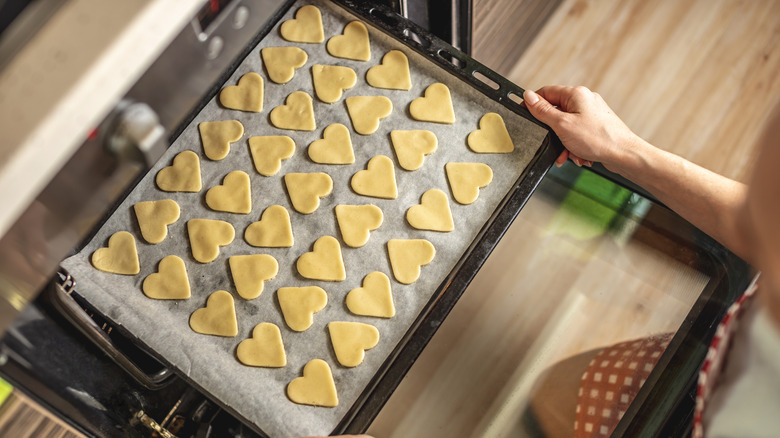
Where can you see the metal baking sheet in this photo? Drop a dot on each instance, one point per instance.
(257, 395)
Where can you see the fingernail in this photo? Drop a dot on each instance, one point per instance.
(577, 161)
(589, 163)
(530, 97)
(557, 164)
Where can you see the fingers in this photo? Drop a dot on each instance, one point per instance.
(555, 94)
(542, 109)
(562, 158)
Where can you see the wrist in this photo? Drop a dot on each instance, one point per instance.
(631, 154)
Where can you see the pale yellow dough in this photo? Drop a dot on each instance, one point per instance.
(120, 257)
(335, 147)
(306, 189)
(407, 256)
(206, 236)
(392, 73)
(316, 387)
(246, 96)
(375, 298)
(264, 348)
(269, 151)
(217, 318)
(324, 262)
(378, 180)
(491, 137)
(154, 218)
(250, 272)
(234, 195)
(330, 81)
(217, 136)
(433, 213)
(182, 176)
(352, 44)
(281, 62)
(350, 341)
(366, 112)
(170, 282)
(273, 230)
(411, 147)
(466, 179)
(436, 106)
(306, 27)
(297, 114)
(357, 221)
(299, 304)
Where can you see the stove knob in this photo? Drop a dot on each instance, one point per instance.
(133, 132)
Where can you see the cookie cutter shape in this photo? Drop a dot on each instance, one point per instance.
(330, 81)
(316, 387)
(392, 73)
(170, 282)
(435, 106)
(234, 195)
(306, 27)
(217, 318)
(352, 44)
(492, 136)
(119, 257)
(281, 62)
(357, 221)
(264, 348)
(268, 152)
(350, 341)
(154, 218)
(216, 137)
(247, 95)
(377, 180)
(324, 262)
(206, 236)
(466, 179)
(297, 114)
(299, 304)
(181, 176)
(374, 298)
(432, 213)
(306, 189)
(407, 256)
(366, 112)
(273, 230)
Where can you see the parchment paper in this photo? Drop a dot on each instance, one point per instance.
(258, 394)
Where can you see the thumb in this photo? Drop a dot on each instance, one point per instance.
(542, 109)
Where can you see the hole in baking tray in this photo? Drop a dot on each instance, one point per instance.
(449, 57)
(516, 98)
(486, 80)
(409, 33)
(384, 16)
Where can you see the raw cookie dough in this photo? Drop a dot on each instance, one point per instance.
(217, 136)
(269, 151)
(206, 236)
(246, 96)
(350, 341)
(375, 298)
(281, 62)
(330, 81)
(217, 318)
(352, 44)
(233, 195)
(170, 282)
(407, 256)
(436, 106)
(154, 218)
(366, 112)
(491, 137)
(316, 387)
(273, 230)
(335, 147)
(357, 221)
(120, 257)
(297, 114)
(299, 304)
(306, 27)
(250, 272)
(324, 262)
(392, 73)
(411, 147)
(433, 213)
(378, 180)
(264, 348)
(182, 176)
(306, 189)
(466, 179)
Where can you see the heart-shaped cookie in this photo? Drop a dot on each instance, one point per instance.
(299, 304)
(297, 114)
(306, 189)
(233, 195)
(352, 44)
(120, 257)
(436, 106)
(217, 318)
(357, 221)
(466, 179)
(375, 298)
(246, 96)
(264, 348)
(206, 236)
(335, 147)
(154, 218)
(306, 27)
(170, 282)
(250, 272)
(324, 262)
(350, 341)
(366, 112)
(407, 256)
(316, 387)
(269, 151)
(281, 62)
(273, 230)
(182, 176)
(392, 73)
(433, 213)
(378, 180)
(217, 136)
(411, 147)
(330, 81)
(491, 137)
